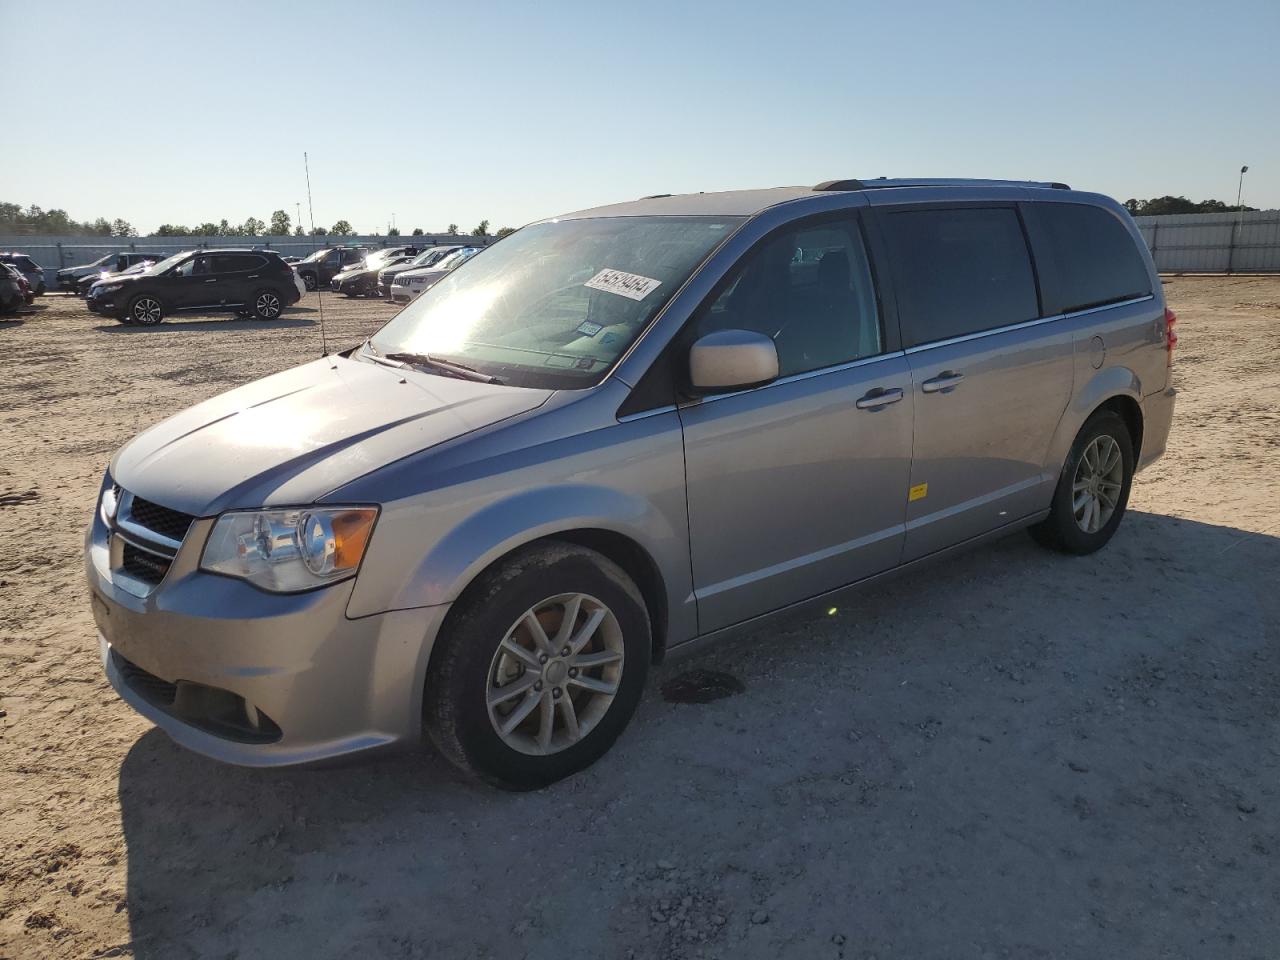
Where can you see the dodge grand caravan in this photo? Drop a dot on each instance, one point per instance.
(611, 434)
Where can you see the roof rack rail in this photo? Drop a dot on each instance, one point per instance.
(655, 196)
(881, 182)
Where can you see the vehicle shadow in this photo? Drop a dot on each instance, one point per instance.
(968, 743)
(7, 322)
(190, 326)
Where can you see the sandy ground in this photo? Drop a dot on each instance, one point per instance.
(1016, 755)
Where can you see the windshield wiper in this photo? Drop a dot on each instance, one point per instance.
(447, 367)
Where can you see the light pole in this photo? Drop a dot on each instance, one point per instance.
(1235, 232)
(298, 205)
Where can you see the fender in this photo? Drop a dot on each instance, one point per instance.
(1101, 386)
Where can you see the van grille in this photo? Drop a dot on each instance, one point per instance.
(142, 564)
(162, 520)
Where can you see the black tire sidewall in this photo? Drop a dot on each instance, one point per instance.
(456, 713)
(1067, 531)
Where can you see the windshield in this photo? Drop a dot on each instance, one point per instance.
(428, 257)
(555, 304)
(103, 261)
(313, 257)
(453, 259)
(156, 269)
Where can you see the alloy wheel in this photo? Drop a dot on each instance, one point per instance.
(146, 310)
(267, 305)
(1096, 487)
(555, 674)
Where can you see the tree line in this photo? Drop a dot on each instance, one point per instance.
(16, 219)
(1166, 206)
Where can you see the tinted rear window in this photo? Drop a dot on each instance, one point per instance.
(959, 271)
(236, 262)
(1096, 258)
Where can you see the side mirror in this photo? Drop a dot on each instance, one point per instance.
(732, 360)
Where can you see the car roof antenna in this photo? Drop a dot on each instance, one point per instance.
(311, 210)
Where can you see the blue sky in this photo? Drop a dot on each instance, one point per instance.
(452, 112)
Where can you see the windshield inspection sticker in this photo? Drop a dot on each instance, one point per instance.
(589, 329)
(629, 285)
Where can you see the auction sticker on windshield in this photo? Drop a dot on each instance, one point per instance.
(630, 285)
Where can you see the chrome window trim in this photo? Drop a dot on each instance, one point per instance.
(1025, 324)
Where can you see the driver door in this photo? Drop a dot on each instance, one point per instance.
(799, 486)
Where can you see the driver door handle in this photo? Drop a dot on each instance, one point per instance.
(878, 397)
(214, 280)
(945, 381)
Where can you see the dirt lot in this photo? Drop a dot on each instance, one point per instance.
(1017, 755)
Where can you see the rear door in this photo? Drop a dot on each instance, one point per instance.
(798, 487)
(238, 275)
(991, 375)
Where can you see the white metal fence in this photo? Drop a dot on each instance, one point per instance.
(54, 253)
(1214, 242)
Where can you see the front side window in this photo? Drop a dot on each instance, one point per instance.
(1096, 257)
(810, 290)
(958, 271)
(556, 304)
(196, 266)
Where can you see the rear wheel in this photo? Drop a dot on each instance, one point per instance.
(145, 310)
(1093, 489)
(267, 304)
(539, 668)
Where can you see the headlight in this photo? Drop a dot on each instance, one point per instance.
(289, 550)
(106, 287)
(110, 503)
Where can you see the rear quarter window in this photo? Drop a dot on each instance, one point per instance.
(958, 271)
(1094, 257)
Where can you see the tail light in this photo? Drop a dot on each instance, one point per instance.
(1170, 333)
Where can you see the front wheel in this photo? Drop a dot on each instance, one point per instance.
(539, 667)
(145, 310)
(309, 281)
(267, 304)
(1093, 489)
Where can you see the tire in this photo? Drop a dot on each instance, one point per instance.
(40, 290)
(1083, 531)
(472, 664)
(309, 281)
(145, 310)
(267, 304)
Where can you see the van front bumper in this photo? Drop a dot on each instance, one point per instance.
(255, 678)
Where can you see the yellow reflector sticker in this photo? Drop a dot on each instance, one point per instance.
(918, 492)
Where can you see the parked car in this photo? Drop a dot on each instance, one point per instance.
(427, 258)
(618, 432)
(290, 259)
(322, 266)
(13, 289)
(412, 283)
(32, 271)
(362, 279)
(68, 277)
(247, 282)
(84, 284)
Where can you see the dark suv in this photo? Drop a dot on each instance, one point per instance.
(318, 269)
(253, 283)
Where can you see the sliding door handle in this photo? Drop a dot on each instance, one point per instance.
(945, 381)
(878, 397)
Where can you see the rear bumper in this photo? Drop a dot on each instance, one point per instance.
(1157, 419)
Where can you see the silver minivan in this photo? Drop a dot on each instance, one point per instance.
(614, 433)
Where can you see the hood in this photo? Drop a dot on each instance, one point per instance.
(422, 273)
(293, 437)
